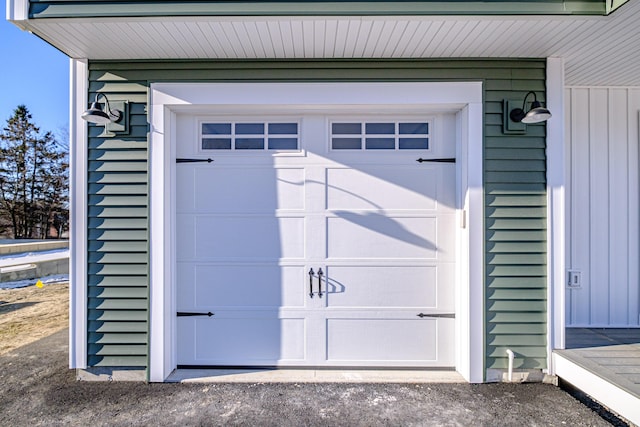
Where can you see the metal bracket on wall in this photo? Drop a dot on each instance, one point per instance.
(120, 128)
(509, 127)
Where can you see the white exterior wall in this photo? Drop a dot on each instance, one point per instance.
(602, 206)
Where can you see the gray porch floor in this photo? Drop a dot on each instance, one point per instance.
(599, 337)
(612, 355)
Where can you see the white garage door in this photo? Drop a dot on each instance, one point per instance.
(315, 241)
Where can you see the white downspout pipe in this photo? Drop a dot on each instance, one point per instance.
(510, 368)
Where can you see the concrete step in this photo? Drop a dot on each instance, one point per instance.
(20, 246)
(45, 258)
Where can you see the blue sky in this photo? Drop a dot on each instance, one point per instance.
(34, 74)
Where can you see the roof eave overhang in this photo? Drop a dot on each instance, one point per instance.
(115, 8)
(584, 41)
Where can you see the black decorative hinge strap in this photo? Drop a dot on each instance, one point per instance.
(194, 160)
(189, 314)
(438, 315)
(446, 160)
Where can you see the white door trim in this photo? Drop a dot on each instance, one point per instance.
(166, 99)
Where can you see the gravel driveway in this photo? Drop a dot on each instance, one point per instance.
(36, 388)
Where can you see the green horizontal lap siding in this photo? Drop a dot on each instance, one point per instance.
(515, 198)
(110, 8)
(118, 218)
(515, 234)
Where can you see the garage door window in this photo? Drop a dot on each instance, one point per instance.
(249, 136)
(387, 135)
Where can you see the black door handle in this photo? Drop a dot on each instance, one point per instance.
(311, 283)
(320, 282)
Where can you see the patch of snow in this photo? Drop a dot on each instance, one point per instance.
(33, 257)
(56, 278)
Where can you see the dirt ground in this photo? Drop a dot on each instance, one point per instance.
(31, 313)
(38, 389)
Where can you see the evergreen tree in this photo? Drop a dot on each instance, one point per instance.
(33, 178)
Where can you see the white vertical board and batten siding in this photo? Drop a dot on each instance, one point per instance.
(603, 211)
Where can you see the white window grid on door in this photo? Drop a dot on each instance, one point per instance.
(249, 135)
(381, 135)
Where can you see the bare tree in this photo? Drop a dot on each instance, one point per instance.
(33, 177)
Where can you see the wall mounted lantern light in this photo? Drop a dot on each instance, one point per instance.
(536, 114)
(95, 113)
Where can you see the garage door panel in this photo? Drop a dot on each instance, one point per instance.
(186, 232)
(446, 287)
(382, 287)
(446, 242)
(249, 238)
(185, 297)
(185, 182)
(258, 340)
(243, 190)
(374, 188)
(446, 182)
(387, 341)
(374, 235)
(259, 286)
(255, 228)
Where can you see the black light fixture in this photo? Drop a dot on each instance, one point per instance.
(95, 113)
(536, 114)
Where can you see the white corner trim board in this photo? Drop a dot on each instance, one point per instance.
(17, 10)
(79, 76)
(169, 99)
(556, 185)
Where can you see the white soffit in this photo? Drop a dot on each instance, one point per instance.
(599, 51)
